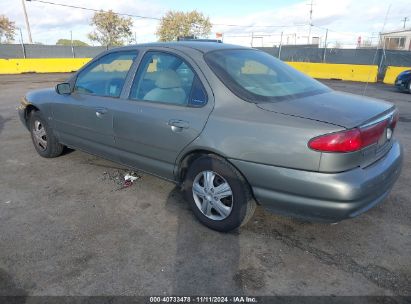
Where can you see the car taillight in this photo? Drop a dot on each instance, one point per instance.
(394, 121)
(371, 134)
(352, 140)
(344, 141)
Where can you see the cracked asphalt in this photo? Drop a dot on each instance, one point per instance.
(67, 229)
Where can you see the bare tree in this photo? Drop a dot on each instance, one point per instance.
(110, 28)
(67, 42)
(7, 29)
(176, 24)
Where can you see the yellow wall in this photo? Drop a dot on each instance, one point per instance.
(41, 65)
(120, 65)
(392, 73)
(352, 72)
(317, 70)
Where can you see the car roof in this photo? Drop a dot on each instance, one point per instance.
(201, 46)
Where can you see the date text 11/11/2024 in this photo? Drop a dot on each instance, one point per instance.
(203, 299)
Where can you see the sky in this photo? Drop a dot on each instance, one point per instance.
(268, 22)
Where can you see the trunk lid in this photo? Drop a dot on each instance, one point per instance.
(337, 108)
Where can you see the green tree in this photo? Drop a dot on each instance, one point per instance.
(68, 42)
(110, 28)
(7, 29)
(176, 24)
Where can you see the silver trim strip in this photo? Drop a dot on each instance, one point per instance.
(378, 120)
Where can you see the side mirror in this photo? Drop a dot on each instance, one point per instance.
(63, 88)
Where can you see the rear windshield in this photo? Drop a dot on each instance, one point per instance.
(259, 77)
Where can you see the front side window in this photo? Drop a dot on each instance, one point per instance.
(166, 78)
(106, 76)
(259, 77)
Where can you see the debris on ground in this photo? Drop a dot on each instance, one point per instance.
(122, 178)
(129, 179)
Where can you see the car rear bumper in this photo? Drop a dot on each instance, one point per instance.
(323, 196)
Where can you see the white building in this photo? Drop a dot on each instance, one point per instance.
(397, 40)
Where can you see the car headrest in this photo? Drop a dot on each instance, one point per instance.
(168, 79)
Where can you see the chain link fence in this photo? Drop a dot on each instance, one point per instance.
(296, 53)
(380, 57)
(10, 51)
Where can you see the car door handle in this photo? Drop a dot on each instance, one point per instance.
(178, 125)
(100, 112)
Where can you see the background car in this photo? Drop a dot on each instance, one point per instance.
(403, 81)
(232, 125)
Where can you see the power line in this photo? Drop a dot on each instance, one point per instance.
(27, 21)
(334, 31)
(311, 21)
(158, 19)
(269, 26)
(405, 21)
(255, 35)
(214, 24)
(92, 9)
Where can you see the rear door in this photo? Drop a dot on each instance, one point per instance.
(168, 106)
(84, 118)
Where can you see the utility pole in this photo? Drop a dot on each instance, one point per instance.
(311, 21)
(281, 44)
(405, 21)
(27, 21)
(325, 45)
(71, 42)
(22, 43)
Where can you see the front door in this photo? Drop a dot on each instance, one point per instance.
(84, 119)
(166, 110)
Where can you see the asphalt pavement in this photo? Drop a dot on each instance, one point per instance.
(66, 228)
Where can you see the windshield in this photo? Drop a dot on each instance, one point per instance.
(257, 76)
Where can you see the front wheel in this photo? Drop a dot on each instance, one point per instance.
(218, 194)
(44, 141)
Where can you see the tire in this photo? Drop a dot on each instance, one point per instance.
(409, 87)
(44, 141)
(213, 206)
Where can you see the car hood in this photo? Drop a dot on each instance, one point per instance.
(337, 108)
(34, 95)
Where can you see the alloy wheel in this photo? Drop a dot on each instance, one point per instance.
(213, 195)
(40, 135)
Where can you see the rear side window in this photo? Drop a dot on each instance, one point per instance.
(198, 97)
(106, 76)
(257, 76)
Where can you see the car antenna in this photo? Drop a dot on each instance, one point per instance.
(376, 51)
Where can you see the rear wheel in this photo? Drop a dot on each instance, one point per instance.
(218, 194)
(44, 141)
